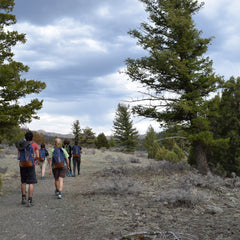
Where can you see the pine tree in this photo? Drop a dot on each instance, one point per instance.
(76, 130)
(101, 141)
(148, 141)
(124, 132)
(12, 86)
(87, 137)
(225, 122)
(176, 73)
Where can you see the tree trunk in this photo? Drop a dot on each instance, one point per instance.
(201, 158)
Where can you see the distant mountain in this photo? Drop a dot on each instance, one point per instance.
(52, 134)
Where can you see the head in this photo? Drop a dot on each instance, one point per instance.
(66, 142)
(57, 143)
(76, 142)
(29, 136)
(42, 145)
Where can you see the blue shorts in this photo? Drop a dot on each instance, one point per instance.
(28, 175)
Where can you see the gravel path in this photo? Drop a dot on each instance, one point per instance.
(49, 219)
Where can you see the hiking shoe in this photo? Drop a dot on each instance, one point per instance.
(30, 203)
(56, 192)
(24, 201)
(60, 196)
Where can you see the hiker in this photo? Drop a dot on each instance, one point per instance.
(43, 159)
(76, 153)
(58, 161)
(26, 150)
(68, 148)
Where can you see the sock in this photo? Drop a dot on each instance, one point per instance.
(60, 193)
(30, 199)
(23, 196)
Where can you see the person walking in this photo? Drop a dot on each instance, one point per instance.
(76, 153)
(26, 150)
(58, 165)
(43, 159)
(68, 148)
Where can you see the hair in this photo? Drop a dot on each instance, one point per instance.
(76, 142)
(42, 145)
(29, 136)
(66, 142)
(57, 143)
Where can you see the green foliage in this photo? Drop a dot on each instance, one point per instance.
(148, 141)
(125, 134)
(76, 130)
(171, 156)
(225, 119)
(12, 86)
(101, 141)
(176, 72)
(112, 142)
(179, 153)
(87, 138)
(160, 153)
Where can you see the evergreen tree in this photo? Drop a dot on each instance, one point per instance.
(124, 132)
(76, 130)
(148, 141)
(101, 141)
(176, 72)
(12, 86)
(87, 137)
(225, 122)
(112, 142)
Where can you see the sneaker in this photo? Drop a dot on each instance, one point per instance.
(56, 192)
(60, 196)
(30, 203)
(24, 201)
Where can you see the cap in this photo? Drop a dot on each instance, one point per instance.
(22, 144)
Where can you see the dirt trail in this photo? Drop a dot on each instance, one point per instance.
(49, 218)
(118, 194)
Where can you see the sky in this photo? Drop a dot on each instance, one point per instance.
(78, 48)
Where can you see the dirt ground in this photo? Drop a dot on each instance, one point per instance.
(120, 196)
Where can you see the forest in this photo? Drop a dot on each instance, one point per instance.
(197, 109)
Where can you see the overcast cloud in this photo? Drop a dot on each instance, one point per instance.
(78, 47)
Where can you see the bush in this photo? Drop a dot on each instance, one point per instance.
(172, 157)
(161, 153)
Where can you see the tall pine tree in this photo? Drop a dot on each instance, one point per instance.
(124, 132)
(12, 86)
(175, 71)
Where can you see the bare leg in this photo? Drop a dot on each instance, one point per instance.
(30, 190)
(23, 188)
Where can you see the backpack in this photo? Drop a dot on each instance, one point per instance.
(27, 156)
(58, 158)
(42, 155)
(75, 151)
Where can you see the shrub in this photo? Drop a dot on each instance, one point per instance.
(171, 157)
(161, 153)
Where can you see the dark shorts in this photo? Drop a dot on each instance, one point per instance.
(28, 175)
(59, 172)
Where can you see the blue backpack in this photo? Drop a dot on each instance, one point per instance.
(58, 158)
(42, 155)
(75, 151)
(27, 156)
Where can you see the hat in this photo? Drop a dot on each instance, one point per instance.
(22, 144)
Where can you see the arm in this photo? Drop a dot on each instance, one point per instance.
(50, 166)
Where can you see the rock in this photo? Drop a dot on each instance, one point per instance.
(213, 210)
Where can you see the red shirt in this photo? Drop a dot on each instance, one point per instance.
(35, 147)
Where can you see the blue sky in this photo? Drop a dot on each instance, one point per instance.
(78, 48)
